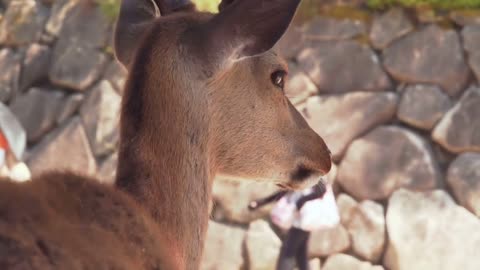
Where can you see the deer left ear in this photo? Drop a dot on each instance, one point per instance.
(135, 18)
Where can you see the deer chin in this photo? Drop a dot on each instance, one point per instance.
(300, 178)
(279, 180)
(298, 184)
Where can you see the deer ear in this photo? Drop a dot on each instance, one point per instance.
(246, 28)
(224, 4)
(133, 21)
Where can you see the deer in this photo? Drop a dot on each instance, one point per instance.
(203, 98)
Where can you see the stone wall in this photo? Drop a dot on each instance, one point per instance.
(59, 77)
(396, 98)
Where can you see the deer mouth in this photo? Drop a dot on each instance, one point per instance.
(301, 173)
(284, 186)
(301, 177)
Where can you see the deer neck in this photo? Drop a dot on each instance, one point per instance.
(163, 159)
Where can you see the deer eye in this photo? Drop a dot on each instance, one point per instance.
(278, 78)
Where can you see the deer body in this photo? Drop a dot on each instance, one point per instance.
(203, 98)
(65, 221)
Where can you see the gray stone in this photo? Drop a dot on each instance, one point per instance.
(339, 119)
(471, 38)
(465, 17)
(365, 223)
(47, 39)
(443, 157)
(232, 198)
(346, 206)
(91, 33)
(65, 149)
(223, 248)
(6, 3)
(9, 74)
(474, 62)
(463, 178)
(313, 264)
(347, 262)
(77, 67)
(70, 105)
(61, 10)
(429, 231)
(471, 43)
(37, 111)
(366, 227)
(459, 129)
(13, 131)
(422, 106)
(101, 115)
(355, 67)
(429, 55)
(23, 22)
(116, 75)
(425, 16)
(35, 65)
(328, 28)
(263, 246)
(388, 27)
(328, 241)
(298, 86)
(107, 170)
(386, 159)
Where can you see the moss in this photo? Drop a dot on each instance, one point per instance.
(468, 13)
(308, 10)
(435, 4)
(207, 5)
(346, 12)
(111, 8)
(362, 39)
(109, 50)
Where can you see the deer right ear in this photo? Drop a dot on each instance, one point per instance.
(246, 28)
(133, 21)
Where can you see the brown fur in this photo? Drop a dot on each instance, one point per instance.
(65, 221)
(184, 120)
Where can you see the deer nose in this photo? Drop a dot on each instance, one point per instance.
(323, 158)
(316, 163)
(326, 163)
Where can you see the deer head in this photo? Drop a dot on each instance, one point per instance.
(226, 61)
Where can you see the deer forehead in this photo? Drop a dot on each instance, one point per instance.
(251, 70)
(170, 48)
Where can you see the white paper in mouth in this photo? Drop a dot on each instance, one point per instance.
(319, 214)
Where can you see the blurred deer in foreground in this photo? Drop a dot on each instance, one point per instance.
(204, 97)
